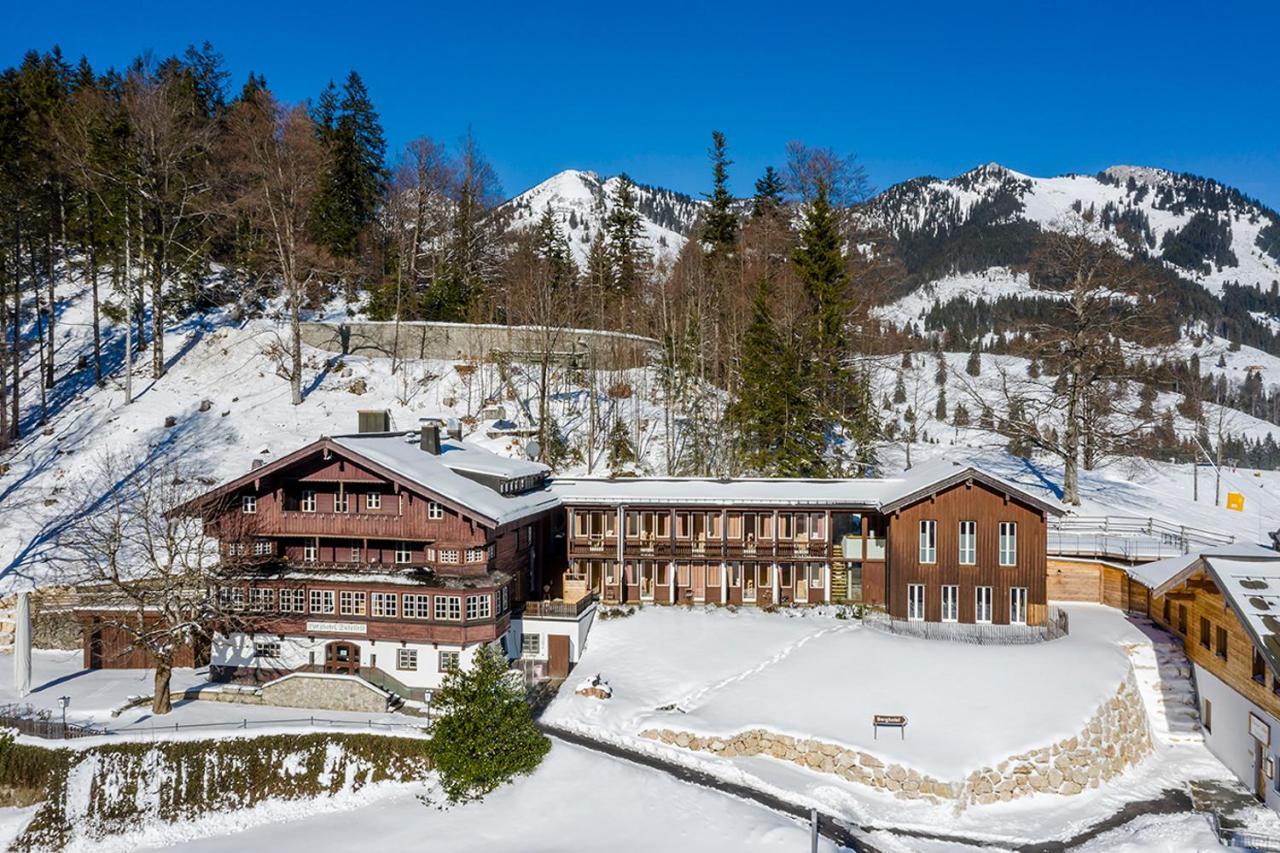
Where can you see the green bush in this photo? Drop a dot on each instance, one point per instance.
(485, 735)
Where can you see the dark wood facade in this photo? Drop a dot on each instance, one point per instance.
(678, 553)
(986, 508)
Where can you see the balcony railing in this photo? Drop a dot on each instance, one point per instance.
(559, 609)
(341, 523)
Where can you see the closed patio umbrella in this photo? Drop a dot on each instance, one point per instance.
(22, 645)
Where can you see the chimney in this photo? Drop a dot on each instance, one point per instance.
(430, 440)
(256, 464)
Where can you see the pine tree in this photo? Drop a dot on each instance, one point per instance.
(484, 735)
(940, 410)
(720, 228)
(621, 452)
(768, 199)
(626, 254)
(973, 366)
(552, 246)
(599, 271)
(961, 417)
(900, 390)
(356, 179)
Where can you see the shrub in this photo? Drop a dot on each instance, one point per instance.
(485, 735)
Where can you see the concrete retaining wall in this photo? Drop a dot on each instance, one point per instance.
(468, 341)
(1116, 737)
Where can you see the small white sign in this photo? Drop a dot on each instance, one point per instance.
(1260, 730)
(338, 627)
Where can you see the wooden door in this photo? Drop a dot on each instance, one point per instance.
(342, 658)
(557, 655)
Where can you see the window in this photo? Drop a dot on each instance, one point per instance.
(530, 645)
(248, 504)
(982, 604)
(448, 608)
(310, 552)
(341, 503)
(231, 598)
(417, 606)
(236, 549)
(968, 543)
(448, 661)
(449, 555)
(373, 500)
(308, 501)
(1008, 543)
(1018, 605)
(383, 604)
(479, 607)
(929, 541)
(1182, 619)
(262, 600)
(351, 603)
(355, 553)
(321, 601)
(1207, 716)
(406, 658)
(1259, 667)
(266, 649)
(435, 511)
(950, 603)
(263, 548)
(915, 602)
(1166, 618)
(292, 601)
(1206, 634)
(476, 555)
(403, 553)
(1222, 643)
(503, 599)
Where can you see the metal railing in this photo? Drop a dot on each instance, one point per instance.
(37, 724)
(1127, 537)
(1056, 625)
(246, 723)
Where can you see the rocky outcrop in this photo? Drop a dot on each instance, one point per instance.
(1116, 737)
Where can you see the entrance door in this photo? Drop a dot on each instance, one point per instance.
(1259, 772)
(342, 658)
(557, 655)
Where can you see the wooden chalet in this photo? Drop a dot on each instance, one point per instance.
(945, 542)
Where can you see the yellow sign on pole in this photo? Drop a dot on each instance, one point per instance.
(1235, 501)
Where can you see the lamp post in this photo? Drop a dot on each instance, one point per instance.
(63, 702)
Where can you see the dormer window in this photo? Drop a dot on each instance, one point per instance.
(435, 511)
(249, 504)
(308, 503)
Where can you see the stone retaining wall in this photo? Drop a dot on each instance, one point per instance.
(1116, 737)
(475, 341)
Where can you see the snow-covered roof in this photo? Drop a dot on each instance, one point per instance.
(1164, 574)
(880, 493)
(400, 454)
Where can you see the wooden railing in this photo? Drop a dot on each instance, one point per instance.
(296, 522)
(559, 609)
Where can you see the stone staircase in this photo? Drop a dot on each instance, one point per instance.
(1168, 690)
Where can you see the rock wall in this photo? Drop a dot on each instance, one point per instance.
(330, 692)
(1116, 737)
(475, 341)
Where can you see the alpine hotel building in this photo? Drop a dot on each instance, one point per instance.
(393, 556)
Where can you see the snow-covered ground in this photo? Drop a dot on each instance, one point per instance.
(98, 694)
(576, 802)
(817, 676)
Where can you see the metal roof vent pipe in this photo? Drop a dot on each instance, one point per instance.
(430, 439)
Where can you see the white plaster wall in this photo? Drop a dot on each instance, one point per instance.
(576, 630)
(297, 651)
(1229, 739)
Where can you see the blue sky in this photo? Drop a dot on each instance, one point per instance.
(912, 89)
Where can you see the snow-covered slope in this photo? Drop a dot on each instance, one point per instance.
(582, 201)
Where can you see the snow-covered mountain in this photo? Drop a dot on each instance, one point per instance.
(582, 201)
(1207, 233)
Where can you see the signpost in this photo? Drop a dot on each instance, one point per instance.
(893, 721)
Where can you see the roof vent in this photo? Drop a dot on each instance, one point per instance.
(256, 464)
(430, 439)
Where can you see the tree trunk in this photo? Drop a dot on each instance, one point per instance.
(50, 275)
(1071, 439)
(128, 307)
(97, 313)
(161, 703)
(157, 321)
(295, 346)
(16, 354)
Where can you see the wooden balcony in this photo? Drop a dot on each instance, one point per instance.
(347, 524)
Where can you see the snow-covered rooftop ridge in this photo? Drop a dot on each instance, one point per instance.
(399, 452)
(872, 492)
(1163, 574)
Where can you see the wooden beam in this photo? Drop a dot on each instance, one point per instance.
(1180, 596)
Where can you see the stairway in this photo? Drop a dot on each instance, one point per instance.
(1164, 677)
(839, 582)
